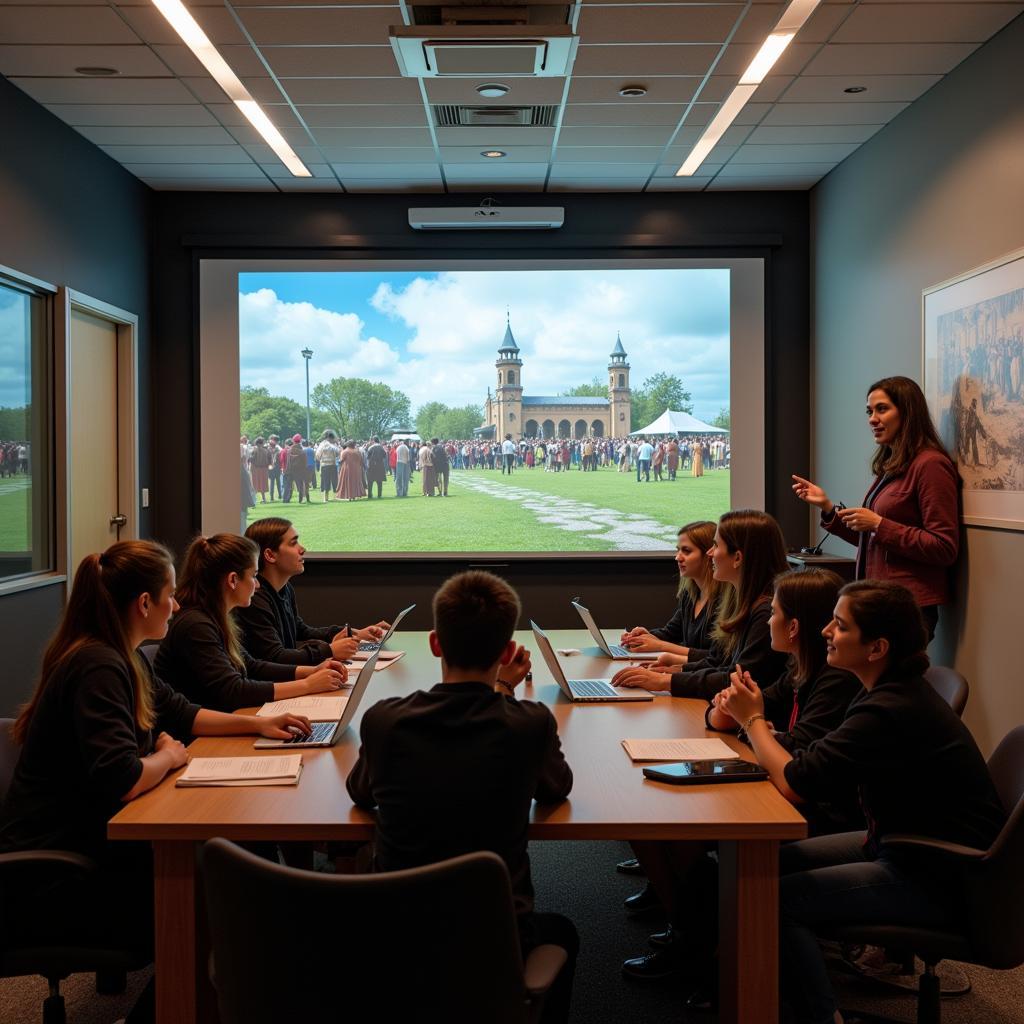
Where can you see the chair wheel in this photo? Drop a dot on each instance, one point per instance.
(111, 983)
(53, 1010)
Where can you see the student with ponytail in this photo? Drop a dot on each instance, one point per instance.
(747, 553)
(918, 772)
(100, 730)
(202, 656)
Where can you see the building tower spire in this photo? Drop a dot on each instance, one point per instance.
(509, 393)
(619, 395)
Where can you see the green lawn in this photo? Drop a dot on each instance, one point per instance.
(471, 521)
(14, 514)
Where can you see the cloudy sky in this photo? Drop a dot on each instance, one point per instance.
(14, 348)
(435, 335)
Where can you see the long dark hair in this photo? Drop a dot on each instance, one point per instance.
(884, 610)
(105, 585)
(757, 535)
(208, 561)
(916, 432)
(809, 596)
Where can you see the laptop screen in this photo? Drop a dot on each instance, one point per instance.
(394, 625)
(361, 683)
(551, 658)
(588, 621)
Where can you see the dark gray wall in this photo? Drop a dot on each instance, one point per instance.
(188, 226)
(68, 215)
(935, 193)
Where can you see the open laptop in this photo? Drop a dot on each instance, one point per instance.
(582, 690)
(326, 734)
(366, 646)
(604, 649)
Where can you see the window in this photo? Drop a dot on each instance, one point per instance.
(26, 534)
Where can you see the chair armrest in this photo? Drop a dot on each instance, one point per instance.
(953, 851)
(541, 968)
(56, 861)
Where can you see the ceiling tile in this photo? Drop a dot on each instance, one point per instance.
(323, 26)
(926, 22)
(248, 136)
(231, 117)
(833, 113)
(594, 184)
(738, 56)
(516, 155)
(263, 154)
(164, 136)
(353, 90)
(104, 90)
(276, 170)
(762, 18)
(610, 154)
(340, 116)
(408, 188)
(691, 184)
(880, 88)
(327, 137)
(236, 171)
(486, 136)
(716, 158)
(153, 27)
(59, 61)
(643, 23)
(666, 89)
(77, 25)
(813, 134)
(612, 114)
(243, 60)
(686, 137)
(522, 91)
(794, 153)
(178, 154)
(424, 171)
(562, 169)
(308, 184)
(380, 154)
(644, 60)
(648, 136)
(495, 171)
(133, 114)
(752, 113)
(206, 90)
(889, 58)
(331, 61)
(492, 187)
(774, 170)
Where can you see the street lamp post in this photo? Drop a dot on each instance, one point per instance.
(307, 354)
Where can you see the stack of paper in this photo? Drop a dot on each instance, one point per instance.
(678, 750)
(318, 708)
(283, 770)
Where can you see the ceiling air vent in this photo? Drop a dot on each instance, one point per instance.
(447, 115)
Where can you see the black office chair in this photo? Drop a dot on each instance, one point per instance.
(436, 943)
(992, 934)
(950, 685)
(53, 961)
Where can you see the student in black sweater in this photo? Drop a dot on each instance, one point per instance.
(271, 627)
(201, 656)
(917, 769)
(806, 702)
(99, 731)
(747, 553)
(688, 632)
(455, 768)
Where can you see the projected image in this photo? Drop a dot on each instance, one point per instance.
(494, 410)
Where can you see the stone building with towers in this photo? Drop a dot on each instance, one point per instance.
(509, 411)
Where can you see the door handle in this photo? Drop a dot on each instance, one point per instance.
(119, 521)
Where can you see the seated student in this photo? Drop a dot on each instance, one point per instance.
(748, 552)
(688, 632)
(918, 771)
(271, 627)
(454, 769)
(806, 702)
(201, 656)
(99, 731)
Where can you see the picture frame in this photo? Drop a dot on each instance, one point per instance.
(973, 353)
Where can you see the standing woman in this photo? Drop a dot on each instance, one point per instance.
(99, 731)
(202, 657)
(748, 552)
(697, 465)
(688, 632)
(908, 528)
(327, 454)
(426, 465)
(259, 463)
(350, 478)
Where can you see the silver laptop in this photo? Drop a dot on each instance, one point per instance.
(326, 734)
(582, 690)
(366, 646)
(604, 649)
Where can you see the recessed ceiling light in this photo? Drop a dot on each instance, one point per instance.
(492, 90)
(97, 72)
(633, 90)
(494, 154)
(856, 88)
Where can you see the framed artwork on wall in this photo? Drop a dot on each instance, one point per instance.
(973, 339)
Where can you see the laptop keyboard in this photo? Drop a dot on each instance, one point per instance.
(620, 652)
(593, 688)
(367, 646)
(322, 732)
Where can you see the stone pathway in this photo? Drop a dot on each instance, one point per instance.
(625, 531)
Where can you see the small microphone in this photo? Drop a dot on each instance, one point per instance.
(816, 550)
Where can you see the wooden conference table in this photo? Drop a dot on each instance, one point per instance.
(610, 800)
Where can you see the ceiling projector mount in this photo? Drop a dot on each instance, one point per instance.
(488, 216)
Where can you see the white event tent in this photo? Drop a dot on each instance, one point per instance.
(670, 422)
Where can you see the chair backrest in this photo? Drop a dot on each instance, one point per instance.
(9, 751)
(439, 942)
(950, 685)
(995, 886)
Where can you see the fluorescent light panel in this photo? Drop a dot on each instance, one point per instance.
(206, 53)
(792, 20)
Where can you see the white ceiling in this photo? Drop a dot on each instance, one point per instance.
(328, 79)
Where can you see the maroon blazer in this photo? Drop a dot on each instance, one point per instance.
(918, 538)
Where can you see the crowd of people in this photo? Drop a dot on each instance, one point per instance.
(299, 468)
(14, 456)
(824, 681)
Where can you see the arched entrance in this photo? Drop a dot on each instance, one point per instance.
(549, 429)
(579, 428)
(564, 428)
(530, 430)
(597, 428)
